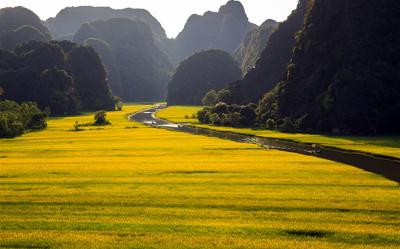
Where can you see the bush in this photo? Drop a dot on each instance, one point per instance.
(235, 119)
(118, 103)
(270, 124)
(287, 125)
(15, 119)
(215, 119)
(100, 118)
(210, 99)
(247, 116)
(224, 96)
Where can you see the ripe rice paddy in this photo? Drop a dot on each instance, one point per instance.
(131, 186)
(380, 145)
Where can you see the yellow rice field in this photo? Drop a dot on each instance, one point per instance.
(131, 186)
(380, 145)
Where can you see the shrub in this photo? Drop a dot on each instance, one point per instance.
(210, 99)
(235, 119)
(287, 125)
(224, 96)
(215, 119)
(270, 124)
(247, 116)
(15, 119)
(100, 118)
(118, 103)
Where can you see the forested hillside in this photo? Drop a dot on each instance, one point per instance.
(200, 73)
(62, 77)
(273, 62)
(344, 74)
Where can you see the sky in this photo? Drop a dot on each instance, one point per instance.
(172, 14)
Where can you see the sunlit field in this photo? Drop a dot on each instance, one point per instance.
(131, 186)
(380, 145)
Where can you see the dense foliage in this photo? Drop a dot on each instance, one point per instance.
(271, 67)
(228, 115)
(200, 73)
(344, 75)
(253, 44)
(89, 75)
(15, 119)
(224, 30)
(140, 71)
(105, 52)
(64, 77)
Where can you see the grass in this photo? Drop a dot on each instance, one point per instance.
(380, 145)
(131, 186)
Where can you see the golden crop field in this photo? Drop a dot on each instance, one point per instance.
(131, 186)
(380, 145)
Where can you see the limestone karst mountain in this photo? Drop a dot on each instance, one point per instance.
(19, 25)
(344, 74)
(272, 64)
(128, 48)
(200, 73)
(224, 30)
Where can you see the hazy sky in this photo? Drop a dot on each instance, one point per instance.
(171, 13)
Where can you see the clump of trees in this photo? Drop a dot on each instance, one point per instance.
(100, 118)
(228, 115)
(15, 119)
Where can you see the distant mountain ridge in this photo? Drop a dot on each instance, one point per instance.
(70, 19)
(19, 25)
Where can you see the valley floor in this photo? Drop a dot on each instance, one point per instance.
(378, 145)
(131, 186)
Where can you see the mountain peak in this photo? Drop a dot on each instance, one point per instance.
(233, 8)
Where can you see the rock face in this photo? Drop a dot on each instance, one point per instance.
(127, 48)
(272, 64)
(254, 43)
(224, 30)
(19, 25)
(344, 75)
(200, 73)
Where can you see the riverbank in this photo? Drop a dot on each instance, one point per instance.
(380, 146)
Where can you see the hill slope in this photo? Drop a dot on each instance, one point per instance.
(200, 73)
(344, 75)
(252, 46)
(272, 65)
